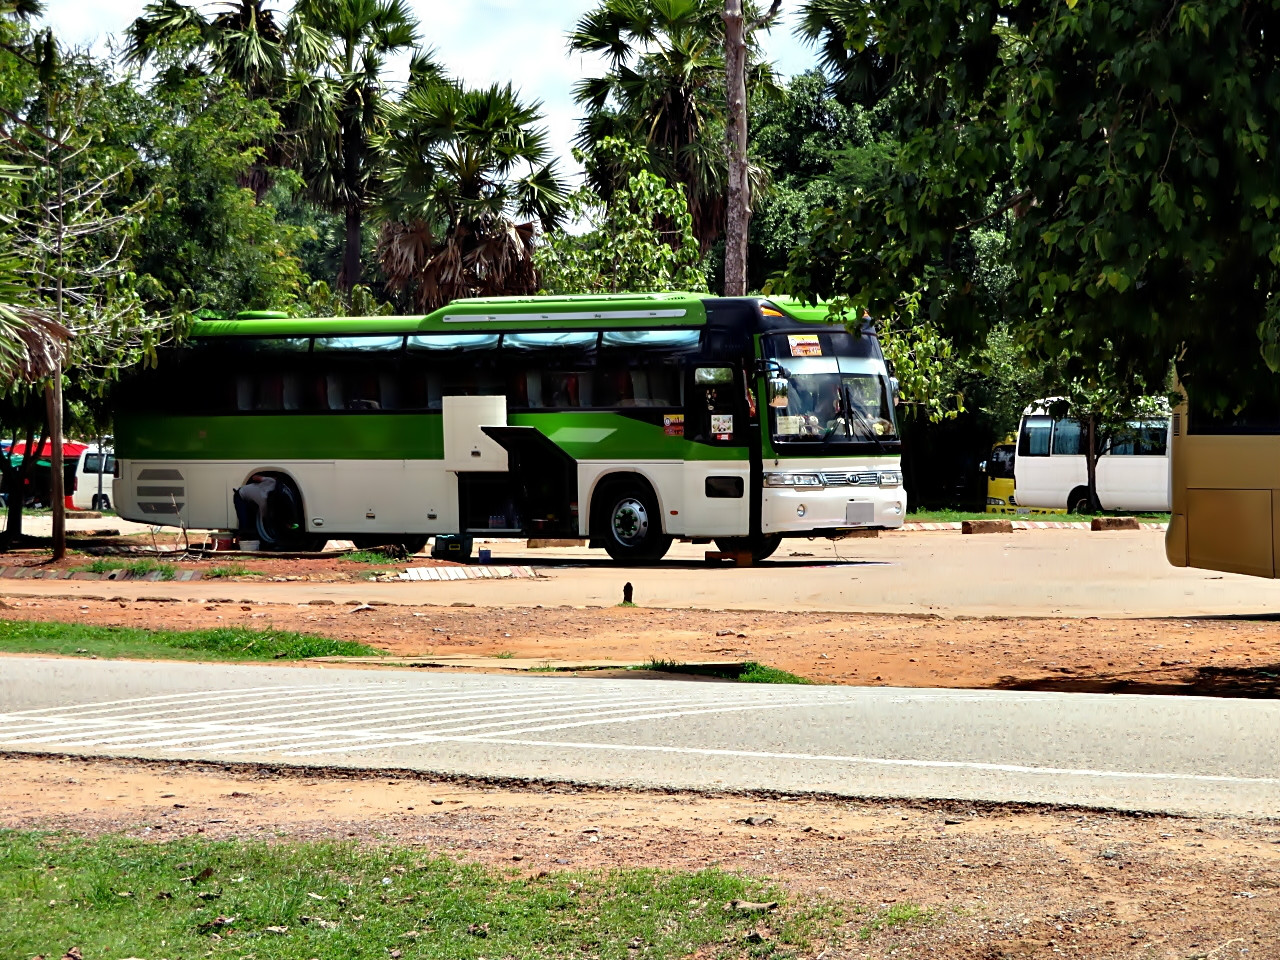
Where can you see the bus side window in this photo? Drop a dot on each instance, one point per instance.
(1033, 439)
(1068, 438)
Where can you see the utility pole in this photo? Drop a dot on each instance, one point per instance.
(736, 33)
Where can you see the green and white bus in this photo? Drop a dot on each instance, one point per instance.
(632, 420)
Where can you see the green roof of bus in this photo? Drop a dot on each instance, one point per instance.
(618, 310)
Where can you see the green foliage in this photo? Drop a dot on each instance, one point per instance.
(116, 897)
(1126, 150)
(318, 300)
(664, 93)
(375, 557)
(753, 672)
(227, 570)
(816, 151)
(340, 105)
(137, 568)
(207, 242)
(470, 182)
(642, 239)
(224, 643)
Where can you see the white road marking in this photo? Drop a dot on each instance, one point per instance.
(892, 762)
(304, 720)
(453, 737)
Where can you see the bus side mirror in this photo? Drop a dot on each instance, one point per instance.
(895, 388)
(982, 467)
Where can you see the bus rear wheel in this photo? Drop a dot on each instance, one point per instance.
(762, 547)
(630, 525)
(283, 525)
(100, 502)
(1078, 502)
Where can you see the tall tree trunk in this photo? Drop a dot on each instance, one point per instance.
(18, 493)
(53, 396)
(349, 275)
(739, 193)
(57, 493)
(1091, 461)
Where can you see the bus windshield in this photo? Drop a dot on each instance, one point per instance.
(828, 399)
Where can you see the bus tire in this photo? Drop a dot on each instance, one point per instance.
(284, 525)
(762, 547)
(629, 523)
(1078, 501)
(100, 502)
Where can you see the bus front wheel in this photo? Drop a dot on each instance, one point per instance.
(632, 525)
(762, 547)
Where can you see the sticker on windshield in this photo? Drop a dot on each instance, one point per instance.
(673, 424)
(722, 426)
(805, 345)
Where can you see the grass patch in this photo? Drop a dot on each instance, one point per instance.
(504, 655)
(231, 570)
(748, 672)
(116, 897)
(753, 672)
(223, 643)
(957, 516)
(897, 915)
(136, 568)
(375, 557)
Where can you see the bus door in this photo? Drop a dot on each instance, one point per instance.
(718, 468)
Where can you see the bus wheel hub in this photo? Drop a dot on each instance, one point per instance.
(630, 521)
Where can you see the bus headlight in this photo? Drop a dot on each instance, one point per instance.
(890, 478)
(792, 480)
(995, 502)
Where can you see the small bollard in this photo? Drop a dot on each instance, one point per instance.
(626, 593)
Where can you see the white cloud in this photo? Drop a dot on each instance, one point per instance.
(479, 41)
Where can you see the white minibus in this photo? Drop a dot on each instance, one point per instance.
(1050, 470)
(92, 488)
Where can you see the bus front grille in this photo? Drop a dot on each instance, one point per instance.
(849, 479)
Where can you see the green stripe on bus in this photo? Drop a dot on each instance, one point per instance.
(268, 438)
(407, 436)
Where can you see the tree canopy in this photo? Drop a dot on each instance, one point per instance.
(1127, 147)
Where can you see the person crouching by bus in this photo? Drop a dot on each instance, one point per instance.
(251, 503)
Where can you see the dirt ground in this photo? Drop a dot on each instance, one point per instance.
(1000, 883)
(1203, 656)
(333, 568)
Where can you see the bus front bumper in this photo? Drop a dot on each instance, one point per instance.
(831, 509)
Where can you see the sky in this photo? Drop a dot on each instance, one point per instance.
(479, 41)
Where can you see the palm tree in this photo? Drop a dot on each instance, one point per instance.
(861, 77)
(340, 48)
(665, 91)
(243, 42)
(463, 166)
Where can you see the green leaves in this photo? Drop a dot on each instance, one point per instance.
(642, 239)
(1142, 142)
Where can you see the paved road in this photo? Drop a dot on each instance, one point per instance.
(1188, 755)
(1071, 573)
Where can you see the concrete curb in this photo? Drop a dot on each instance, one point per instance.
(467, 573)
(1022, 525)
